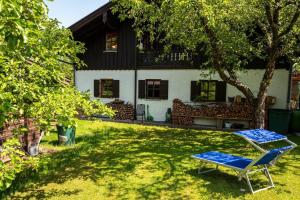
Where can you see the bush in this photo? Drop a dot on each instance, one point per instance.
(13, 162)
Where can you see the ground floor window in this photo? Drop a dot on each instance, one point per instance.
(106, 88)
(153, 88)
(208, 91)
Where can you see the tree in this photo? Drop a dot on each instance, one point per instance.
(36, 55)
(233, 33)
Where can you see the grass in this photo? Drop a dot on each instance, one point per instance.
(121, 161)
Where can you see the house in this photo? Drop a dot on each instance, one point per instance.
(118, 67)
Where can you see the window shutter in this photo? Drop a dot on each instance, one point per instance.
(195, 90)
(221, 91)
(116, 88)
(164, 89)
(142, 89)
(96, 88)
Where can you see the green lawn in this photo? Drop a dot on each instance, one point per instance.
(120, 161)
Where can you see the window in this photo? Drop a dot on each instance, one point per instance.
(111, 42)
(106, 88)
(153, 89)
(208, 91)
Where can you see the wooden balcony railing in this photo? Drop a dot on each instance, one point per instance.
(156, 58)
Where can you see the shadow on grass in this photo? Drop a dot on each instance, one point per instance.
(146, 161)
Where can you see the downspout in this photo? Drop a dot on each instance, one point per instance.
(135, 80)
(135, 91)
(74, 74)
(289, 87)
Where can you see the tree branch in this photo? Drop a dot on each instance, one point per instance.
(292, 23)
(65, 81)
(276, 14)
(266, 32)
(218, 62)
(269, 15)
(273, 18)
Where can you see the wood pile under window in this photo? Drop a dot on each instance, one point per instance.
(8, 131)
(124, 111)
(183, 114)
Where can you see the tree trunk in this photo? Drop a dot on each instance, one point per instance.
(260, 105)
(26, 141)
(260, 112)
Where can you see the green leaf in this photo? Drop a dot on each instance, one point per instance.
(1, 5)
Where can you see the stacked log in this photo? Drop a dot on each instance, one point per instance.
(183, 114)
(9, 130)
(124, 111)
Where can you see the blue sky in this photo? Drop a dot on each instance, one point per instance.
(70, 11)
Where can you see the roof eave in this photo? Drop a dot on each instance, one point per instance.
(90, 17)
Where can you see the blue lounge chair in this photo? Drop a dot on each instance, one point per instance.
(245, 166)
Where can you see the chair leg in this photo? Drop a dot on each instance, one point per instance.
(201, 167)
(268, 175)
(206, 171)
(249, 183)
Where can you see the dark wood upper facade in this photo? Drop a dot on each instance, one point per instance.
(93, 29)
(93, 34)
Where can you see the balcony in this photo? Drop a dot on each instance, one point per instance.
(159, 59)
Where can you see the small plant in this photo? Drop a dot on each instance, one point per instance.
(13, 161)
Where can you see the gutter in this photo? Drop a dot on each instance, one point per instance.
(135, 81)
(289, 93)
(74, 74)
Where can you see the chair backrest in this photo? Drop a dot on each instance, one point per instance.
(271, 155)
(140, 109)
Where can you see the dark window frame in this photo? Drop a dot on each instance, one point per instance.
(219, 91)
(111, 39)
(102, 85)
(154, 96)
(207, 91)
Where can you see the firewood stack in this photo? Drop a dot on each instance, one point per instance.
(9, 129)
(124, 111)
(183, 114)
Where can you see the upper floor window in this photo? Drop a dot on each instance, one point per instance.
(112, 41)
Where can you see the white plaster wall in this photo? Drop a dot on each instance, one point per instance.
(84, 80)
(179, 85)
(279, 85)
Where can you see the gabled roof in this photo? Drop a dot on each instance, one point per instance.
(87, 19)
